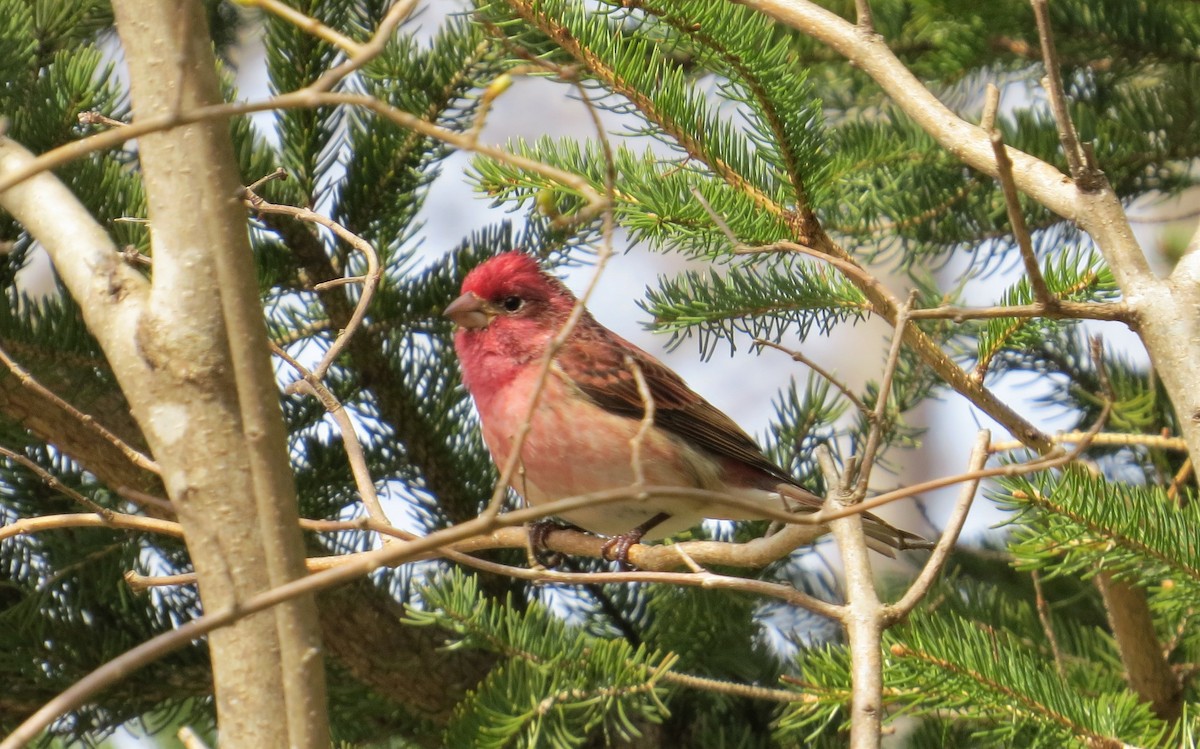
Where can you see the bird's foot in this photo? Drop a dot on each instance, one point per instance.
(616, 549)
(539, 553)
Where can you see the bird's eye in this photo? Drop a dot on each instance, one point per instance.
(512, 303)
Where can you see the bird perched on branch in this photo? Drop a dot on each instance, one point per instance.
(583, 430)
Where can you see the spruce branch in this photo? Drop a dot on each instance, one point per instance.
(885, 304)
(1165, 312)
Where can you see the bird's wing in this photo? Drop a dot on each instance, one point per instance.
(604, 372)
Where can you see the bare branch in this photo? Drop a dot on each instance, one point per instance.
(879, 419)
(1061, 309)
(937, 559)
(350, 442)
(862, 616)
(1058, 100)
(307, 24)
(842, 388)
(1152, 441)
(104, 519)
(1041, 292)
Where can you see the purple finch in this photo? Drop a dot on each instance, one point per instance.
(590, 408)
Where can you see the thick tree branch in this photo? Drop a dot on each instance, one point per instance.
(862, 615)
(169, 347)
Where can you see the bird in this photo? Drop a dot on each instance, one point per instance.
(590, 407)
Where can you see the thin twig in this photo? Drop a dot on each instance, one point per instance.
(106, 519)
(1043, 613)
(879, 421)
(647, 422)
(721, 224)
(1052, 459)
(307, 24)
(95, 118)
(919, 587)
(370, 280)
(51, 481)
(1041, 292)
(305, 99)
(368, 51)
(604, 206)
(484, 106)
(350, 442)
(822, 372)
(1054, 88)
(85, 421)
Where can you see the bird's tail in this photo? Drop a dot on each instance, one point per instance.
(882, 536)
(887, 539)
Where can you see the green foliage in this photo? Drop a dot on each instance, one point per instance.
(553, 685)
(732, 134)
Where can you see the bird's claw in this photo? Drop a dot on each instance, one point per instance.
(539, 553)
(616, 549)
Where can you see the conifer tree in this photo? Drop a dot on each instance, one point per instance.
(812, 149)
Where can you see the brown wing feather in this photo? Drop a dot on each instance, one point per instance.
(595, 360)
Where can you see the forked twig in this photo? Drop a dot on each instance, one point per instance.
(879, 420)
(1054, 89)
(945, 545)
(370, 280)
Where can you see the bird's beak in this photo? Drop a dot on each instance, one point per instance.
(470, 312)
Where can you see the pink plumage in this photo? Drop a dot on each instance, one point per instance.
(590, 408)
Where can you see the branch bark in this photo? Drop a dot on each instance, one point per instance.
(219, 433)
(189, 351)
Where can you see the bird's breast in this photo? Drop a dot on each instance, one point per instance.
(574, 447)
